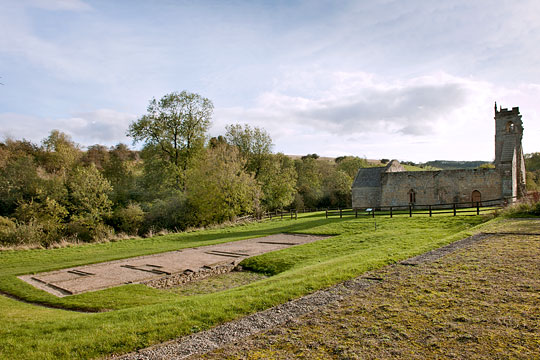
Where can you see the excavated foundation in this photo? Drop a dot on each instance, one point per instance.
(162, 270)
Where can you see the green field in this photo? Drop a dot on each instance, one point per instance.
(139, 316)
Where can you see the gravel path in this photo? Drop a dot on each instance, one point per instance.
(233, 331)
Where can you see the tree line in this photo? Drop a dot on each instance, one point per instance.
(56, 191)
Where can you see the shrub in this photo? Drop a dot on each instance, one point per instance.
(529, 206)
(128, 220)
(89, 229)
(7, 227)
(170, 213)
(25, 234)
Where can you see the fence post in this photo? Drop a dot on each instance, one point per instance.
(340, 214)
(477, 208)
(373, 212)
(410, 210)
(355, 213)
(295, 214)
(429, 210)
(327, 213)
(269, 213)
(454, 209)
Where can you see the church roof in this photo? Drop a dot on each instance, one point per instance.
(507, 154)
(368, 177)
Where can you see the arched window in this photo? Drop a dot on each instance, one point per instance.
(476, 197)
(412, 196)
(510, 127)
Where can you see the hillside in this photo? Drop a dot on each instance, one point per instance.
(451, 164)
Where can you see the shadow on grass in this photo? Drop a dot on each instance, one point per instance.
(292, 227)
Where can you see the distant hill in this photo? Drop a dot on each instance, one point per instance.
(451, 165)
(333, 159)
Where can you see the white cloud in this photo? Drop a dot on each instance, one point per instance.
(436, 116)
(66, 5)
(103, 126)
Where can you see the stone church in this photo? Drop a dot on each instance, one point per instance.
(393, 186)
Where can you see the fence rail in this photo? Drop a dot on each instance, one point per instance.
(475, 208)
(472, 208)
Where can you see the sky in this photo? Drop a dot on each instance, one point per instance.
(410, 80)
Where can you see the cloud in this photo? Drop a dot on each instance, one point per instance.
(102, 126)
(361, 104)
(421, 118)
(65, 5)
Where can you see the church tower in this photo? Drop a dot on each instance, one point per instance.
(509, 152)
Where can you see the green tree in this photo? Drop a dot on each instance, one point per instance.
(60, 153)
(278, 182)
(122, 169)
(88, 194)
(19, 180)
(97, 155)
(309, 182)
(351, 164)
(175, 126)
(337, 188)
(255, 144)
(219, 189)
(532, 161)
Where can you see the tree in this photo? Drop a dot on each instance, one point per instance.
(278, 181)
(532, 161)
(175, 125)
(60, 152)
(255, 144)
(351, 164)
(337, 188)
(309, 182)
(219, 189)
(120, 169)
(88, 194)
(310, 156)
(97, 155)
(19, 181)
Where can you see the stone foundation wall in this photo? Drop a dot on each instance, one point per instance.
(189, 275)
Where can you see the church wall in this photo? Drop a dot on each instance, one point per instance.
(439, 187)
(366, 197)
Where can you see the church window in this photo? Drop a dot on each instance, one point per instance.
(510, 127)
(412, 196)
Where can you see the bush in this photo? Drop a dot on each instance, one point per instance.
(529, 206)
(89, 229)
(25, 234)
(7, 227)
(171, 213)
(128, 220)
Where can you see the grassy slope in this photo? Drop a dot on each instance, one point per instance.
(481, 302)
(148, 316)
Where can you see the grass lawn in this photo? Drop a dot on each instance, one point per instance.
(143, 316)
(481, 302)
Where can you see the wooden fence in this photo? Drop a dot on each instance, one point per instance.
(458, 208)
(470, 208)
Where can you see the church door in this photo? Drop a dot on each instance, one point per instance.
(476, 197)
